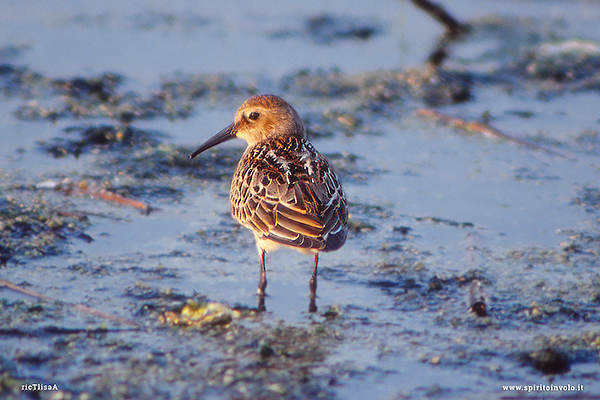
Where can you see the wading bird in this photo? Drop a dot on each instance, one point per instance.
(283, 189)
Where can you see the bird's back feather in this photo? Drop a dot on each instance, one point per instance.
(286, 192)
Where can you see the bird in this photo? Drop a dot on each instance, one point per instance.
(283, 189)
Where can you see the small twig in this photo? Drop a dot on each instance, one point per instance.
(80, 307)
(92, 190)
(117, 198)
(55, 330)
(454, 28)
(19, 289)
(486, 130)
(477, 300)
(452, 25)
(437, 57)
(97, 214)
(72, 214)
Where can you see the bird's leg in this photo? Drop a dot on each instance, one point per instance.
(261, 303)
(262, 283)
(312, 285)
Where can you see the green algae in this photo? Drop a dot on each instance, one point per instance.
(33, 228)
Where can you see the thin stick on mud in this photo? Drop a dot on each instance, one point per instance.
(117, 198)
(454, 29)
(53, 330)
(486, 130)
(452, 25)
(72, 214)
(93, 190)
(477, 300)
(80, 307)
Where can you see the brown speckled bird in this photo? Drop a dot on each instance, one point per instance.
(283, 189)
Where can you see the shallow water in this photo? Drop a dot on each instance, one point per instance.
(393, 319)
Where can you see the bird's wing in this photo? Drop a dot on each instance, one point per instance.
(290, 206)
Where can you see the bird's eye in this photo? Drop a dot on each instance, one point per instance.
(253, 115)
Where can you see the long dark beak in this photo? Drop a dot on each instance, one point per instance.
(223, 136)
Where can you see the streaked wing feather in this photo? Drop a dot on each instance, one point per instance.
(298, 227)
(266, 215)
(300, 210)
(299, 215)
(282, 233)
